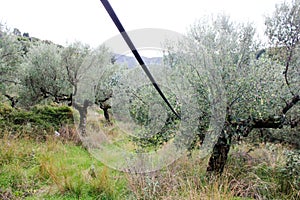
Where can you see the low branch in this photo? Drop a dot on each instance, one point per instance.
(290, 104)
(245, 126)
(270, 122)
(9, 81)
(105, 98)
(57, 98)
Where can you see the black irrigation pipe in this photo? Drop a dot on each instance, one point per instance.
(136, 54)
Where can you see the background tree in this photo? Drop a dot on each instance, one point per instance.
(10, 58)
(44, 75)
(283, 31)
(73, 57)
(109, 77)
(64, 74)
(90, 76)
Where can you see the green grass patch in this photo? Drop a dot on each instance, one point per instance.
(54, 170)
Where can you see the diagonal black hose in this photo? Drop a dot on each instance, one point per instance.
(136, 54)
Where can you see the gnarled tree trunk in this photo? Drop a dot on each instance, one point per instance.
(221, 149)
(82, 109)
(219, 155)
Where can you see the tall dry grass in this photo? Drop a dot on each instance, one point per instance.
(251, 173)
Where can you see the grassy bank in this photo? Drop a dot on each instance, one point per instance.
(62, 170)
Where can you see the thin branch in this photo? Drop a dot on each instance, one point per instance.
(290, 104)
(289, 58)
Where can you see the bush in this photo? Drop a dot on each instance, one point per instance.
(36, 120)
(290, 174)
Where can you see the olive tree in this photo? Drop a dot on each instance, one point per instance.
(67, 74)
(93, 81)
(10, 58)
(254, 88)
(44, 75)
(283, 31)
(73, 57)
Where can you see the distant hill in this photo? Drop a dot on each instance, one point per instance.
(131, 61)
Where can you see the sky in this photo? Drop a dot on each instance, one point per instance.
(66, 21)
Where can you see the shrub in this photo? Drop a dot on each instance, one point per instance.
(37, 120)
(290, 174)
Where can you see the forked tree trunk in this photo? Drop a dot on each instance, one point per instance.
(82, 109)
(105, 106)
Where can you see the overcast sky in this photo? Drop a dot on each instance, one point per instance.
(64, 21)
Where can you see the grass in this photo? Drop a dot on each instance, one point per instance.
(62, 168)
(248, 175)
(35, 170)
(59, 169)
